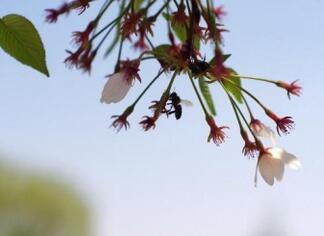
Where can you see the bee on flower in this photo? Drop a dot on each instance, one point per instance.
(191, 27)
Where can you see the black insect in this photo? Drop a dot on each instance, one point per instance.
(176, 105)
(199, 67)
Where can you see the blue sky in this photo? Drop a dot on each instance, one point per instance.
(171, 181)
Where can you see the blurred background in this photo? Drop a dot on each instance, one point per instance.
(64, 172)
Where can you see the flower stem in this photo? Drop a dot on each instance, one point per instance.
(149, 41)
(234, 104)
(119, 54)
(255, 78)
(112, 23)
(245, 121)
(164, 98)
(104, 38)
(104, 8)
(234, 108)
(147, 58)
(248, 107)
(249, 94)
(160, 10)
(198, 95)
(171, 82)
(147, 87)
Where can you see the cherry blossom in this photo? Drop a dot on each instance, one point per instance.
(272, 163)
(119, 83)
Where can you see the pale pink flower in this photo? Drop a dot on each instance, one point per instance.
(261, 130)
(115, 89)
(119, 83)
(272, 161)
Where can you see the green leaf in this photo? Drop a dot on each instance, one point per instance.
(197, 43)
(20, 39)
(137, 4)
(53, 205)
(166, 16)
(203, 85)
(212, 62)
(230, 83)
(178, 29)
(161, 51)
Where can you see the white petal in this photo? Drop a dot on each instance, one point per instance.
(263, 131)
(265, 169)
(278, 169)
(291, 160)
(115, 89)
(276, 153)
(273, 139)
(271, 168)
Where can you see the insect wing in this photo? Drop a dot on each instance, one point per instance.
(186, 103)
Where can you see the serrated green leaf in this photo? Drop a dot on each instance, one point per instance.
(20, 39)
(204, 89)
(232, 84)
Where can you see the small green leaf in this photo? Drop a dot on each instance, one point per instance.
(137, 4)
(197, 43)
(230, 83)
(166, 16)
(212, 62)
(20, 39)
(161, 51)
(207, 96)
(178, 29)
(226, 56)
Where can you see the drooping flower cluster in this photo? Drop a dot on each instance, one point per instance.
(189, 25)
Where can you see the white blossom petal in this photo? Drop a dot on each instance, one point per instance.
(265, 169)
(115, 89)
(279, 166)
(276, 152)
(263, 131)
(291, 160)
(279, 169)
(271, 168)
(272, 164)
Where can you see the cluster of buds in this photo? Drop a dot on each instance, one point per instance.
(189, 24)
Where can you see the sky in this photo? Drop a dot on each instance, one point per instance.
(170, 181)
